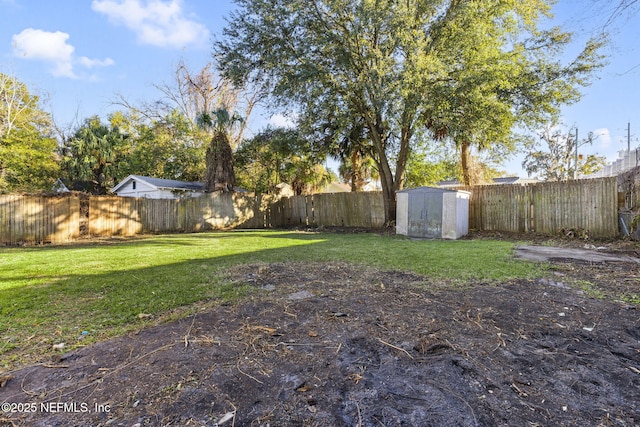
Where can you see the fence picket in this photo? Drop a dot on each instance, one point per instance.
(544, 207)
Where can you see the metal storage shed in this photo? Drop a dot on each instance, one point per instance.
(432, 213)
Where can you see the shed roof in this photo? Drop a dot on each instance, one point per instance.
(160, 183)
(431, 190)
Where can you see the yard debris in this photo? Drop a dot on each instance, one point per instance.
(268, 330)
(54, 366)
(143, 316)
(635, 370)
(58, 346)
(535, 376)
(396, 347)
(519, 391)
(299, 295)
(356, 377)
(226, 417)
(338, 314)
(4, 379)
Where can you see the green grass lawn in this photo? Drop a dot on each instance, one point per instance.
(56, 294)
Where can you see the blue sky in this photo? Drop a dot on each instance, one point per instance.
(81, 54)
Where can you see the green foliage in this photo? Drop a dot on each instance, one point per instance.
(429, 164)
(500, 77)
(94, 155)
(277, 156)
(220, 172)
(559, 162)
(168, 146)
(220, 120)
(27, 148)
(356, 168)
(99, 155)
(467, 70)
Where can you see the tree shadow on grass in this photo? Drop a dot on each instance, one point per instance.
(55, 306)
(83, 300)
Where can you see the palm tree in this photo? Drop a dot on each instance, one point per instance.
(219, 175)
(356, 163)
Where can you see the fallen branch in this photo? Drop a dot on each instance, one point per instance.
(186, 336)
(396, 347)
(247, 375)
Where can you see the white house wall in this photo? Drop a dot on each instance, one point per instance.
(149, 192)
(141, 189)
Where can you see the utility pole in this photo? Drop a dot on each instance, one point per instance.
(575, 169)
(628, 137)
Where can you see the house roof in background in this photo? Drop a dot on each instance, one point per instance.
(500, 180)
(160, 183)
(336, 187)
(427, 189)
(506, 180)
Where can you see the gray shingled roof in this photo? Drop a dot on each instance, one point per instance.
(506, 180)
(501, 180)
(171, 183)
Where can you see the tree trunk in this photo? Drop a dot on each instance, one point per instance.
(388, 189)
(220, 175)
(386, 175)
(465, 161)
(357, 180)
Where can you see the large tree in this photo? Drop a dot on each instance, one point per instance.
(280, 155)
(220, 174)
(392, 66)
(344, 141)
(93, 158)
(167, 146)
(27, 147)
(211, 104)
(561, 160)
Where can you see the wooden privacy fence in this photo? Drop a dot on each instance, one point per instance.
(331, 210)
(57, 219)
(38, 219)
(111, 215)
(546, 208)
(589, 204)
(549, 207)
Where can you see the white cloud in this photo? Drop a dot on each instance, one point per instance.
(90, 63)
(52, 48)
(156, 22)
(603, 137)
(46, 46)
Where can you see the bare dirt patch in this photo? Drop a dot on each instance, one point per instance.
(340, 345)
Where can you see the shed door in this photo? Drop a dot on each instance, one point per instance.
(425, 215)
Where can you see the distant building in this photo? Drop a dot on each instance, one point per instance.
(507, 180)
(157, 188)
(372, 186)
(342, 187)
(336, 187)
(59, 187)
(285, 190)
(627, 160)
